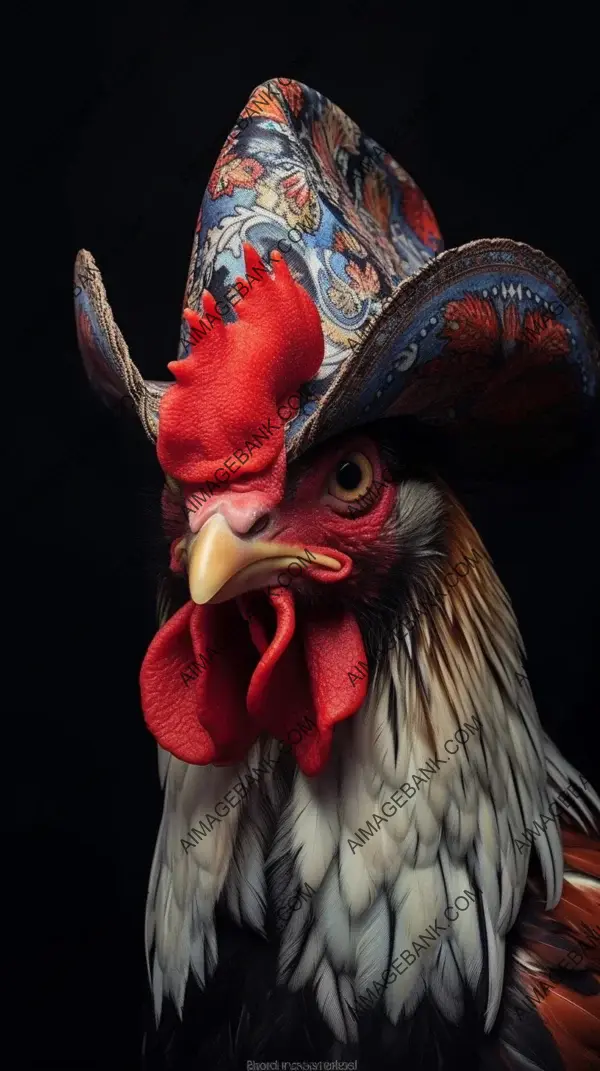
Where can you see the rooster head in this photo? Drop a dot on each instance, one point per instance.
(288, 564)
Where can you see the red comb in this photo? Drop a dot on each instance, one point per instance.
(238, 374)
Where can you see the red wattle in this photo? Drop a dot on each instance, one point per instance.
(332, 647)
(202, 712)
(203, 719)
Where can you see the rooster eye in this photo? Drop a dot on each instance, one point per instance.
(352, 478)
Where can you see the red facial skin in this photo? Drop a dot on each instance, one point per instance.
(307, 649)
(312, 518)
(317, 517)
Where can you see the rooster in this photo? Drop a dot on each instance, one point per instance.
(321, 659)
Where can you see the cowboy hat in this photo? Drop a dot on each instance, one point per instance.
(491, 334)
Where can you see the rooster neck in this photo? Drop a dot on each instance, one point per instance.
(429, 787)
(377, 880)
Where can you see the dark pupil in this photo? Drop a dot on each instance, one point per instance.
(349, 475)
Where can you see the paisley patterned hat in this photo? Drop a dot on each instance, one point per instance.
(492, 333)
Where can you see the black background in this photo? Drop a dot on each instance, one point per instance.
(492, 111)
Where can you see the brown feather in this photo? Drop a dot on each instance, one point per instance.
(562, 952)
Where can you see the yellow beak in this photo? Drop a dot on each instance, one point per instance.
(220, 563)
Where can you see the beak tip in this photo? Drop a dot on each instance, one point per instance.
(199, 593)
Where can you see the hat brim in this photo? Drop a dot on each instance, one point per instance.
(489, 335)
(104, 351)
